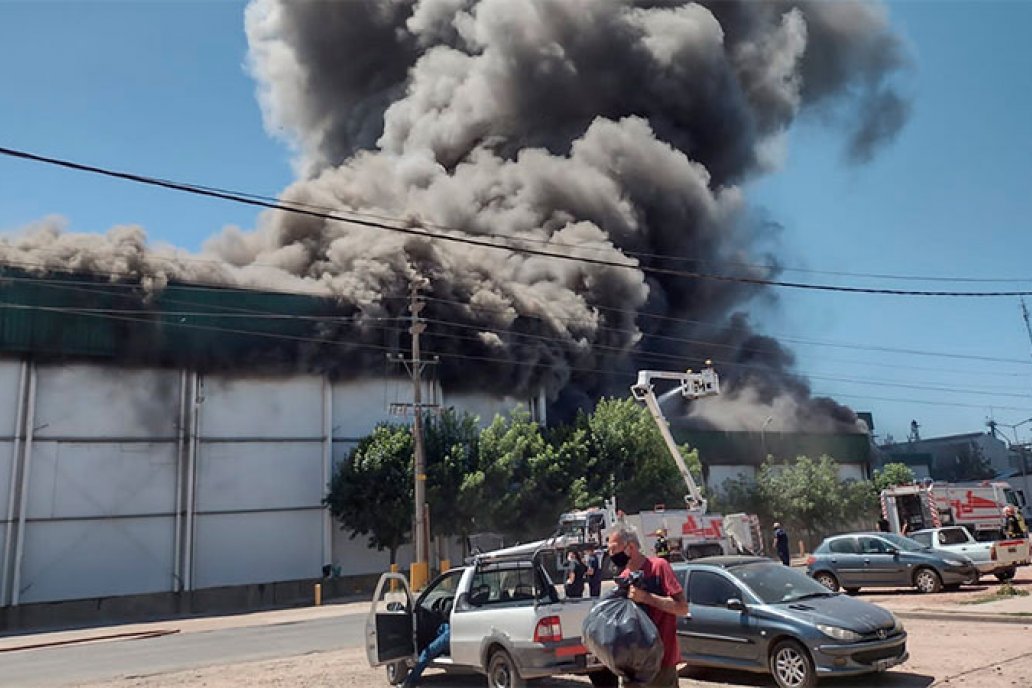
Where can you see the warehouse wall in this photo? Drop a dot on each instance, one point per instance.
(149, 480)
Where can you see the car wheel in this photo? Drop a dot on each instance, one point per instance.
(791, 666)
(927, 581)
(397, 672)
(1007, 575)
(502, 673)
(827, 580)
(852, 591)
(604, 679)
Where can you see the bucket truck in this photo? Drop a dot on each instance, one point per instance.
(694, 531)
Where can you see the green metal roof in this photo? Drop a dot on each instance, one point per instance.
(65, 316)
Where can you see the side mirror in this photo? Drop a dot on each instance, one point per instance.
(736, 604)
(893, 551)
(395, 607)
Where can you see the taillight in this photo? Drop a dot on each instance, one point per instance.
(810, 560)
(548, 630)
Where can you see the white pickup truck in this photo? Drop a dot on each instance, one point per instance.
(507, 622)
(1000, 558)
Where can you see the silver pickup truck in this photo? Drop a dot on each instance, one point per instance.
(1000, 558)
(507, 622)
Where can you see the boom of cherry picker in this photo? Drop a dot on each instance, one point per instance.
(691, 385)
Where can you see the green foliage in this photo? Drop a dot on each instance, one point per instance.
(892, 474)
(511, 477)
(519, 485)
(809, 495)
(372, 493)
(451, 442)
(619, 451)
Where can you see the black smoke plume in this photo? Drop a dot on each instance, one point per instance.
(617, 130)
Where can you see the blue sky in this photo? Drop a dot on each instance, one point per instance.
(161, 88)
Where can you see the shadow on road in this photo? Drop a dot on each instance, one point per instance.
(890, 679)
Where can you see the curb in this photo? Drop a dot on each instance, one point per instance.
(931, 615)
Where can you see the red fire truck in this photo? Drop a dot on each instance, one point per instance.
(978, 507)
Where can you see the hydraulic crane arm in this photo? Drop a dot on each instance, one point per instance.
(691, 385)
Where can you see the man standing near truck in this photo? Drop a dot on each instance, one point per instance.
(1013, 524)
(660, 593)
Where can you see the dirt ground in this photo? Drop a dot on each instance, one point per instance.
(971, 655)
(943, 653)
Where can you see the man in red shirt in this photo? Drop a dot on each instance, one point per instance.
(660, 593)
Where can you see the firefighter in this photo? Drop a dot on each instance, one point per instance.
(662, 546)
(1013, 523)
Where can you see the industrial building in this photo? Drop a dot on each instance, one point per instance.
(161, 445)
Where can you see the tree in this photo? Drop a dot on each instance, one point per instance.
(519, 485)
(371, 493)
(892, 474)
(619, 452)
(808, 495)
(451, 442)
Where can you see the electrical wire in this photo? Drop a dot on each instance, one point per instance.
(129, 316)
(417, 229)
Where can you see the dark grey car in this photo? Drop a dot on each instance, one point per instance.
(753, 614)
(862, 560)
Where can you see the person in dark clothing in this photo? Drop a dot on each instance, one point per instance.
(575, 571)
(662, 546)
(883, 525)
(594, 573)
(781, 544)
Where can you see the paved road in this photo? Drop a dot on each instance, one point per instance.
(99, 661)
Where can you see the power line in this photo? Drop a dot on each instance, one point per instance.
(411, 229)
(128, 316)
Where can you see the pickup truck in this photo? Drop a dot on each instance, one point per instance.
(1000, 558)
(507, 622)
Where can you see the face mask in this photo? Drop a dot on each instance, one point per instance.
(619, 559)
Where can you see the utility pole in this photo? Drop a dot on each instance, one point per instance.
(420, 572)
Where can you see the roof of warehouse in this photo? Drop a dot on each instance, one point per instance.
(64, 316)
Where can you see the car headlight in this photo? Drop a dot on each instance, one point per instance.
(955, 562)
(897, 626)
(838, 633)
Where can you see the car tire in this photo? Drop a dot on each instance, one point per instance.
(791, 665)
(502, 672)
(851, 591)
(604, 679)
(397, 672)
(827, 580)
(1004, 576)
(927, 580)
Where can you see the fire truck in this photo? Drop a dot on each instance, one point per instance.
(934, 505)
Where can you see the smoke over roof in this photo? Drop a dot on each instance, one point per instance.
(624, 129)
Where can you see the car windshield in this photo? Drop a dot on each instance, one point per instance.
(776, 583)
(903, 544)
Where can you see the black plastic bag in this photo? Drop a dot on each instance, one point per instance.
(624, 638)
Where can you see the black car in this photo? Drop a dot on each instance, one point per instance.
(752, 614)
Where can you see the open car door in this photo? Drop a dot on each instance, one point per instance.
(390, 632)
